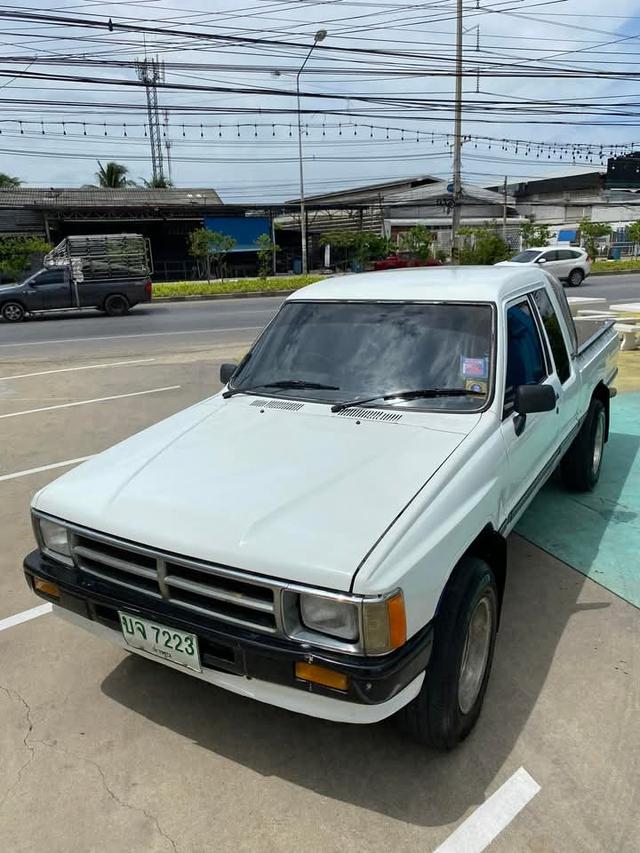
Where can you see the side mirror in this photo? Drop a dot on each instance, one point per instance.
(541, 261)
(226, 371)
(534, 398)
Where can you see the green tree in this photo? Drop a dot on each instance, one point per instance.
(417, 242)
(361, 246)
(633, 232)
(483, 245)
(266, 252)
(113, 176)
(205, 246)
(8, 183)
(534, 235)
(590, 232)
(16, 254)
(157, 183)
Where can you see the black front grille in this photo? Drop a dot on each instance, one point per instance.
(213, 591)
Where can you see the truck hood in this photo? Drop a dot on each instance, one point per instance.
(297, 495)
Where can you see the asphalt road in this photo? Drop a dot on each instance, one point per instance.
(191, 325)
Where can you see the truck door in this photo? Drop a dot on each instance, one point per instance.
(530, 450)
(564, 375)
(52, 290)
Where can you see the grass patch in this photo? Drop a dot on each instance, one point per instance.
(233, 285)
(612, 266)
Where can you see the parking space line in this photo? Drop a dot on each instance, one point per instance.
(495, 814)
(139, 335)
(25, 616)
(53, 465)
(86, 402)
(83, 367)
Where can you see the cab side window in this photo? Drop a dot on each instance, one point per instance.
(554, 334)
(525, 356)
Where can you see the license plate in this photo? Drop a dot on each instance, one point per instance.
(166, 643)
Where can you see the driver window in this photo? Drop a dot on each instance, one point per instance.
(52, 277)
(525, 357)
(550, 256)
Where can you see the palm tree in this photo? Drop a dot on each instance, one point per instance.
(8, 183)
(113, 176)
(157, 183)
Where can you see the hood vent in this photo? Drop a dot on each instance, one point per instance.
(370, 415)
(286, 405)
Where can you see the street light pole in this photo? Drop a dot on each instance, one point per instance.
(457, 143)
(319, 36)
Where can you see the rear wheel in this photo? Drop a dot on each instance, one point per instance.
(576, 278)
(13, 312)
(449, 703)
(582, 462)
(116, 305)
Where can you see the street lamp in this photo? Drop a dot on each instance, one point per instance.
(319, 36)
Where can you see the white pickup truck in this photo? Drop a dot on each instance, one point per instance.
(327, 534)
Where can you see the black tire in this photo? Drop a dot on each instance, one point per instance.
(116, 305)
(576, 277)
(13, 312)
(448, 705)
(583, 460)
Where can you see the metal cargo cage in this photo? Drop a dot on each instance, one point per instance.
(98, 256)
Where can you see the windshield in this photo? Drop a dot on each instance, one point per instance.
(364, 349)
(525, 257)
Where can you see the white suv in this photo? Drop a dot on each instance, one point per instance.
(568, 264)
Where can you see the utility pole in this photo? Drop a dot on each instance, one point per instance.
(504, 211)
(168, 145)
(319, 36)
(151, 72)
(457, 141)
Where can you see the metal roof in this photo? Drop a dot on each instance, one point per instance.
(55, 198)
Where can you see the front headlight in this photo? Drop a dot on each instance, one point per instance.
(357, 625)
(54, 540)
(329, 616)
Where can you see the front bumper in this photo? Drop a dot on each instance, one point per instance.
(244, 661)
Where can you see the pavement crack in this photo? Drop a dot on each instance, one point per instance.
(13, 696)
(114, 796)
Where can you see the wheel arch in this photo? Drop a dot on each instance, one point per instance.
(490, 546)
(601, 392)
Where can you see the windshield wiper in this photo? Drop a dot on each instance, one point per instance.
(410, 395)
(282, 383)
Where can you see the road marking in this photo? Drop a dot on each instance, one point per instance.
(53, 465)
(487, 822)
(86, 402)
(84, 367)
(140, 335)
(10, 621)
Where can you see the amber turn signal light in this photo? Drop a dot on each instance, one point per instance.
(48, 588)
(321, 675)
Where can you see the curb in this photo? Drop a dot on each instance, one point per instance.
(614, 272)
(245, 294)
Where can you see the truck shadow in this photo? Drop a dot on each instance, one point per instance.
(374, 767)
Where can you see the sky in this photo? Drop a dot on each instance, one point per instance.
(540, 77)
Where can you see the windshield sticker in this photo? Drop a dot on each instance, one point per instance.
(474, 368)
(474, 385)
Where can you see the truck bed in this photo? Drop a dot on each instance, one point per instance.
(589, 329)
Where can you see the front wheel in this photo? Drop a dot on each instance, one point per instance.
(13, 312)
(576, 278)
(583, 460)
(449, 703)
(116, 305)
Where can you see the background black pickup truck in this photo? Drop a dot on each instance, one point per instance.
(110, 272)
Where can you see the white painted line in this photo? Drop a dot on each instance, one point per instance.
(487, 822)
(70, 369)
(86, 402)
(10, 621)
(140, 335)
(53, 465)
